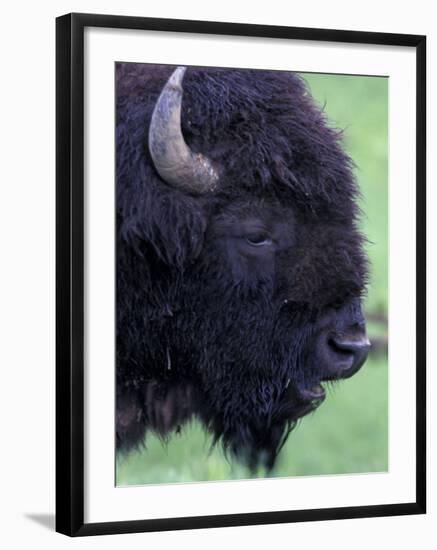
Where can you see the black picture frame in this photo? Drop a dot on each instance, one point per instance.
(70, 273)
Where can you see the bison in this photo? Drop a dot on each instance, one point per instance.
(240, 268)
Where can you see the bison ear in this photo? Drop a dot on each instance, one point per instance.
(168, 222)
(177, 225)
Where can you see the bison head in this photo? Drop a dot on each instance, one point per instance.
(240, 268)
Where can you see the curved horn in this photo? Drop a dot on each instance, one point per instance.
(173, 159)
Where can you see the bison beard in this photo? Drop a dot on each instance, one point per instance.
(233, 303)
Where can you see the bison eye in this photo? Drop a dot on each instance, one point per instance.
(258, 239)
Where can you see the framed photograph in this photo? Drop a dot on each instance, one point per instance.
(240, 274)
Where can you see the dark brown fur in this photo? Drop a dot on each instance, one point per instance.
(209, 325)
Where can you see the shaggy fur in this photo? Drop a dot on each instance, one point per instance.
(209, 325)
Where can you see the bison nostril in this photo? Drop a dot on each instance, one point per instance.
(351, 353)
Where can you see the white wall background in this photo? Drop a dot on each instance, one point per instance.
(27, 135)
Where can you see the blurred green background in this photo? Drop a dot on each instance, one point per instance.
(349, 432)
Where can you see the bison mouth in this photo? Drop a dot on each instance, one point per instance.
(307, 400)
(315, 393)
(299, 402)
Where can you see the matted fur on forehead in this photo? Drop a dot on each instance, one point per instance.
(261, 127)
(265, 130)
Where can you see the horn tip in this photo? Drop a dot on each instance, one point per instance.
(175, 81)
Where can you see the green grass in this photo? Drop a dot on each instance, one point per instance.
(348, 434)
